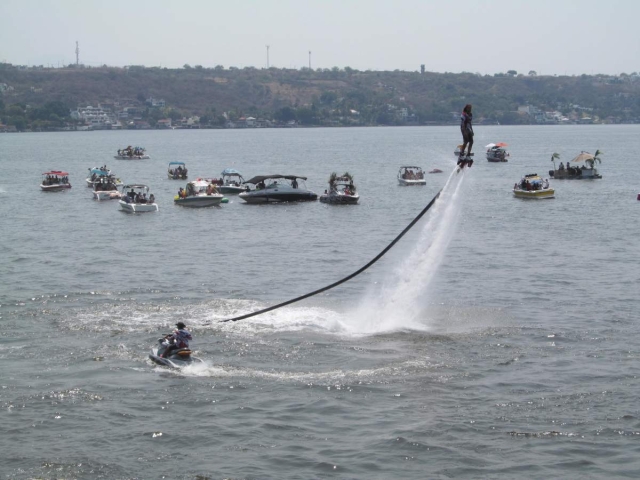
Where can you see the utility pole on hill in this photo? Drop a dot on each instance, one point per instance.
(77, 54)
(267, 57)
(309, 59)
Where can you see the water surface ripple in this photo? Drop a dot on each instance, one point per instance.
(498, 339)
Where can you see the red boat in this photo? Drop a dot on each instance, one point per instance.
(55, 180)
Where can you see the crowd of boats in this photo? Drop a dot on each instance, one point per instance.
(203, 191)
(260, 189)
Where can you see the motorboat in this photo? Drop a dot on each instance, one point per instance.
(136, 198)
(106, 188)
(54, 181)
(278, 188)
(197, 194)
(177, 359)
(132, 153)
(533, 186)
(231, 182)
(341, 190)
(98, 174)
(177, 171)
(410, 175)
(497, 153)
(587, 171)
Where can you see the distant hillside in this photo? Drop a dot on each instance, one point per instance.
(316, 97)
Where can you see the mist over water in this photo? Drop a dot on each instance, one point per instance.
(399, 302)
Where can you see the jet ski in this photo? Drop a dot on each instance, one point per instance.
(177, 359)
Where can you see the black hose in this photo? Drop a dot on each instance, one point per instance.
(349, 277)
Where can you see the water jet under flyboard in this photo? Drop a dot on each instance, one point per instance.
(399, 302)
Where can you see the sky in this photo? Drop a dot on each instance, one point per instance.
(551, 37)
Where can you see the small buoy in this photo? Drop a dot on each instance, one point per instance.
(226, 200)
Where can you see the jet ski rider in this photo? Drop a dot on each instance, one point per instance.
(178, 339)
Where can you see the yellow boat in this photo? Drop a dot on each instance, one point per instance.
(533, 186)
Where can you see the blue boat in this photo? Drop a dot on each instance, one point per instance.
(100, 175)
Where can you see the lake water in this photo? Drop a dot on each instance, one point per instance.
(498, 339)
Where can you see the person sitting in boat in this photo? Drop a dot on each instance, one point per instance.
(561, 167)
(178, 339)
(294, 183)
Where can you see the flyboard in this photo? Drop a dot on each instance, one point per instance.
(463, 160)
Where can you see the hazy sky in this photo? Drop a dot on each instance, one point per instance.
(486, 36)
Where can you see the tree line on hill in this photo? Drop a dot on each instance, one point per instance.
(42, 98)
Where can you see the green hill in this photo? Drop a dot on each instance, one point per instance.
(39, 97)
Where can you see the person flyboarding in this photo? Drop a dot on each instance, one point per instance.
(466, 128)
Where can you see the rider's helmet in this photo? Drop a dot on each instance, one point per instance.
(180, 325)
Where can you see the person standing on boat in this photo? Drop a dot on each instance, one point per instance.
(466, 128)
(178, 339)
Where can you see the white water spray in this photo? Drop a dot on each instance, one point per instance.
(398, 303)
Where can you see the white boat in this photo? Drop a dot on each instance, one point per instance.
(136, 198)
(54, 181)
(177, 171)
(199, 193)
(533, 186)
(132, 153)
(231, 182)
(341, 190)
(497, 153)
(278, 188)
(410, 175)
(106, 188)
(98, 174)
